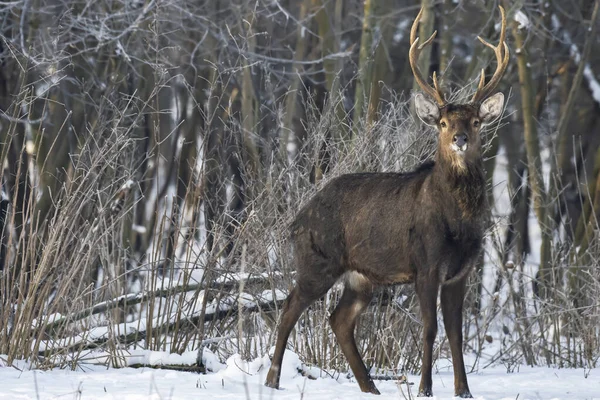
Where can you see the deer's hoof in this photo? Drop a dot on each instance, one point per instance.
(272, 385)
(367, 386)
(374, 390)
(272, 380)
(370, 389)
(465, 395)
(425, 393)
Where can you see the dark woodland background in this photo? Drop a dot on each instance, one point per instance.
(155, 151)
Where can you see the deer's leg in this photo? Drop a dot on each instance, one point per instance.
(427, 291)
(452, 297)
(302, 296)
(356, 297)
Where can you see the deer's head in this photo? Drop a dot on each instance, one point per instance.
(459, 125)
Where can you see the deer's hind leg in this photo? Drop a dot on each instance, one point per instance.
(312, 282)
(358, 292)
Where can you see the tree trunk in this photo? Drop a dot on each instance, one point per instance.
(293, 94)
(534, 161)
(330, 44)
(446, 38)
(250, 157)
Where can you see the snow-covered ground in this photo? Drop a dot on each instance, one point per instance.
(244, 380)
(239, 379)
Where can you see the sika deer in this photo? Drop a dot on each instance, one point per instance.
(424, 227)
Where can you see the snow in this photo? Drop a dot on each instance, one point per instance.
(401, 30)
(138, 228)
(592, 82)
(239, 379)
(98, 333)
(522, 19)
(160, 358)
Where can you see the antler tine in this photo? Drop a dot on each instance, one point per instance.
(413, 55)
(436, 86)
(502, 57)
(415, 25)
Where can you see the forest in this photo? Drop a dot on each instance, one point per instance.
(155, 152)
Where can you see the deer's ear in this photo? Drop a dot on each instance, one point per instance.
(427, 110)
(491, 108)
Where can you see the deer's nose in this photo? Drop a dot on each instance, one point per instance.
(460, 140)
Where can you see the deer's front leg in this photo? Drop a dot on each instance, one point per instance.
(452, 297)
(427, 290)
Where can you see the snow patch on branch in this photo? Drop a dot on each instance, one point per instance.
(141, 229)
(592, 82)
(522, 19)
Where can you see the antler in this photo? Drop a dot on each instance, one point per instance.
(501, 52)
(413, 54)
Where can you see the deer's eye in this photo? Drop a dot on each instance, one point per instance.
(443, 124)
(476, 123)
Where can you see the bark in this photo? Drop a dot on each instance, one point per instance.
(52, 153)
(214, 186)
(250, 155)
(363, 83)
(516, 241)
(292, 106)
(534, 162)
(446, 37)
(380, 61)
(329, 34)
(587, 220)
(587, 226)
(373, 67)
(563, 132)
(563, 167)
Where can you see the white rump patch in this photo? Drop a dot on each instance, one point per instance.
(356, 280)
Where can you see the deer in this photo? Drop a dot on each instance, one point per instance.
(424, 227)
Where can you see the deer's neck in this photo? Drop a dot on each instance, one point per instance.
(465, 184)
